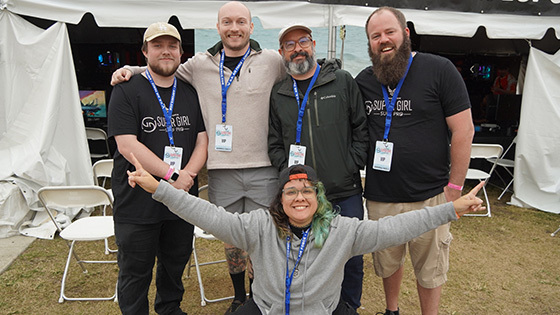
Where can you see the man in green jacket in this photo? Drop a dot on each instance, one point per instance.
(317, 119)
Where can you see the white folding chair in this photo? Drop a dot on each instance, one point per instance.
(483, 151)
(93, 228)
(200, 234)
(97, 134)
(506, 164)
(102, 170)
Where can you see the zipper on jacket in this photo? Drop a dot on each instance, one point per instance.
(311, 147)
(316, 109)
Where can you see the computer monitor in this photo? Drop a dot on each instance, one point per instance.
(94, 104)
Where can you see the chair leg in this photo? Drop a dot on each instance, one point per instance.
(505, 189)
(555, 232)
(71, 253)
(65, 274)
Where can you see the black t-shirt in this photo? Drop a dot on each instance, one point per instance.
(135, 110)
(432, 91)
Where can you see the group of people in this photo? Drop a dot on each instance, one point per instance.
(284, 137)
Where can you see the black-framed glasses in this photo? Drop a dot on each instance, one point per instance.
(303, 42)
(307, 192)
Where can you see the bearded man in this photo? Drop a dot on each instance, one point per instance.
(417, 106)
(316, 118)
(157, 118)
(234, 79)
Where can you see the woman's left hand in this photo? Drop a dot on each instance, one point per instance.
(469, 202)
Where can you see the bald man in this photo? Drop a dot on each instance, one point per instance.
(240, 175)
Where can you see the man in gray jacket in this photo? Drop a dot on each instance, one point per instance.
(316, 118)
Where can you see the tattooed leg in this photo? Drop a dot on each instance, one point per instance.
(236, 259)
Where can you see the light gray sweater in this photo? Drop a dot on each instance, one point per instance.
(316, 290)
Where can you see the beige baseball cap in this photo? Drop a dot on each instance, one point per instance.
(160, 29)
(292, 27)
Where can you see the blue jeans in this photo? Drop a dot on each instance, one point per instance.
(354, 269)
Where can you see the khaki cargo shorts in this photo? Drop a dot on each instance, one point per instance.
(429, 252)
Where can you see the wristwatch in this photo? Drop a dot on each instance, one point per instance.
(174, 177)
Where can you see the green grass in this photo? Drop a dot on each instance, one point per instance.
(506, 264)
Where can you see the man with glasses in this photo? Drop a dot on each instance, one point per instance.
(316, 118)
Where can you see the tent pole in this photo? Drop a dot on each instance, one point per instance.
(331, 49)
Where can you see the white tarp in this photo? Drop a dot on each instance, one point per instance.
(537, 153)
(42, 135)
(276, 14)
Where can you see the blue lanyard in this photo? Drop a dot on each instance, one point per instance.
(166, 113)
(225, 86)
(289, 276)
(391, 105)
(302, 106)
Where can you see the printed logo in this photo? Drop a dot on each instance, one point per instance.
(148, 124)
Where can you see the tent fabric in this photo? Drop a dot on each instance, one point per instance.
(537, 156)
(276, 14)
(42, 134)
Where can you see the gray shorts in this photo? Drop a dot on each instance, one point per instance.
(242, 190)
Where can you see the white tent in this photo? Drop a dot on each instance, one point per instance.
(41, 135)
(537, 159)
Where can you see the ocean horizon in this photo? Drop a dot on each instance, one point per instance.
(355, 57)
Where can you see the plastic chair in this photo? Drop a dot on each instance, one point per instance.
(506, 164)
(200, 234)
(93, 228)
(102, 170)
(483, 151)
(97, 134)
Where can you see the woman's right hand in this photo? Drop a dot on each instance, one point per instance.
(141, 177)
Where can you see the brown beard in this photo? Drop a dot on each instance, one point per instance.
(389, 72)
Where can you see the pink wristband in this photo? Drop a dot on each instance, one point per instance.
(453, 186)
(169, 173)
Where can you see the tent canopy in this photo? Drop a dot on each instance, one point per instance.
(501, 19)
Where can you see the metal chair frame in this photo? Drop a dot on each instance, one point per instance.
(200, 234)
(483, 151)
(102, 169)
(93, 228)
(506, 164)
(98, 134)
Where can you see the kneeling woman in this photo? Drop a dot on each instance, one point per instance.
(299, 246)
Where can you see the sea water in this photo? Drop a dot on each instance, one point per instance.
(355, 57)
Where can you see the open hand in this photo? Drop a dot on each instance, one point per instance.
(141, 177)
(469, 202)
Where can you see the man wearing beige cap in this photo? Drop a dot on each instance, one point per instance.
(317, 119)
(156, 118)
(234, 79)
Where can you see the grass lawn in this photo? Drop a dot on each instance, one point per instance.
(506, 264)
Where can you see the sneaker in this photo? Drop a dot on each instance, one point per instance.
(233, 307)
(388, 312)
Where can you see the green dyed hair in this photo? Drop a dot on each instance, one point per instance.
(321, 222)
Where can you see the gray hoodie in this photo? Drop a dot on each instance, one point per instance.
(316, 289)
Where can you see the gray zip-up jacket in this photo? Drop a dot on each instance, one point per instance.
(316, 289)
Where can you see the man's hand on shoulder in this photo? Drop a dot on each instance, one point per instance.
(120, 75)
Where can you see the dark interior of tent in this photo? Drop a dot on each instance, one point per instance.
(98, 51)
